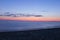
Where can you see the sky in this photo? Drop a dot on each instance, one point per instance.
(47, 8)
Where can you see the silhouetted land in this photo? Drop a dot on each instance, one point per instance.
(43, 34)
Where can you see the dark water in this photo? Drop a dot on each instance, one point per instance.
(8, 25)
(46, 30)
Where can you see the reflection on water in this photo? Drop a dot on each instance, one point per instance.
(20, 25)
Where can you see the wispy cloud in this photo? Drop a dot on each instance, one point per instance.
(20, 14)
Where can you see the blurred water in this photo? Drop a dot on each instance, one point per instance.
(6, 25)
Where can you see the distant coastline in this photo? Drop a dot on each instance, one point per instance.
(26, 20)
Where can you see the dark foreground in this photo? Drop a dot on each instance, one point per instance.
(43, 34)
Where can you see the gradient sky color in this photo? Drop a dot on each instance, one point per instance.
(30, 18)
(47, 8)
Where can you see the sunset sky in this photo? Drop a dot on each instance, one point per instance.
(49, 9)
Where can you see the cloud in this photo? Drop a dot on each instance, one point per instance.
(38, 15)
(20, 14)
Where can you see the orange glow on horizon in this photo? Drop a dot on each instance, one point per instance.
(30, 18)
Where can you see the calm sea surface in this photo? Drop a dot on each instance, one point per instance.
(7, 25)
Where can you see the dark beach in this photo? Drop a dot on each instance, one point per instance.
(42, 34)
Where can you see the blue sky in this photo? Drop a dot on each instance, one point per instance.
(47, 8)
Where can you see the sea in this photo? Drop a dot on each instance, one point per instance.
(10, 25)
